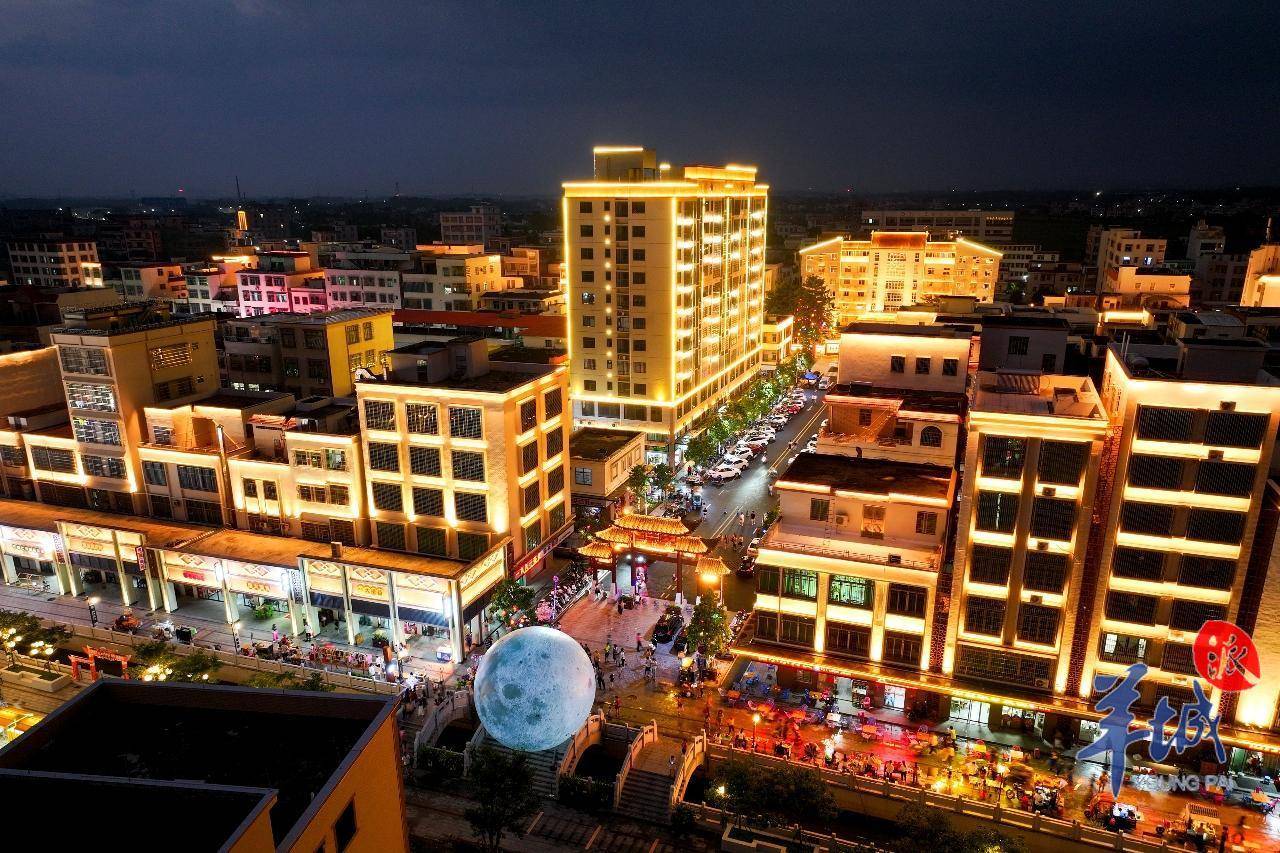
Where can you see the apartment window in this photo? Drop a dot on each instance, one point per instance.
(637, 208)
(432, 540)
(103, 466)
(849, 640)
(922, 366)
(384, 456)
(12, 456)
(997, 511)
(335, 460)
(767, 626)
(984, 616)
(587, 253)
(313, 494)
(472, 545)
(387, 496)
(204, 512)
(796, 630)
(161, 506)
(584, 207)
(313, 339)
(1235, 429)
(1148, 518)
(467, 465)
(1215, 525)
(927, 523)
(800, 583)
(94, 431)
(339, 495)
(1161, 423)
(1053, 518)
(873, 521)
(1208, 572)
(469, 506)
(530, 497)
(586, 231)
(428, 501)
(1003, 456)
(425, 461)
(1044, 571)
(422, 418)
(1155, 472)
(553, 402)
(851, 592)
(1177, 658)
(533, 535)
(989, 564)
(1191, 615)
(89, 361)
(582, 476)
(1062, 462)
(907, 600)
(390, 535)
(767, 580)
(465, 422)
(930, 436)
(1137, 563)
(1019, 344)
(555, 482)
(897, 364)
(950, 366)
(269, 490)
(97, 398)
(155, 474)
(197, 479)
(902, 648)
(1224, 478)
(1037, 623)
(379, 414)
(353, 334)
(819, 509)
(555, 442)
(864, 417)
(307, 458)
(1132, 607)
(1121, 648)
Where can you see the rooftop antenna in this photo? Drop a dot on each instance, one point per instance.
(239, 197)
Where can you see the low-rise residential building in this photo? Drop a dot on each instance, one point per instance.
(1261, 288)
(305, 354)
(462, 454)
(524, 301)
(992, 227)
(143, 281)
(602, 460)
(777, 336)
(1133, 288)
(1117, 248)
(478, 225)
(55, 261)
(211, 287)
(282, 281)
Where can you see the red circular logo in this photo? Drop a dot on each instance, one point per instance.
(1226, 657)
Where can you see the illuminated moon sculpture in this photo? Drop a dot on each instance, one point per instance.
(534, 689)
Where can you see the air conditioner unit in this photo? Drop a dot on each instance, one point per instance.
(842, 519)
(1042, 683)
(1215, 454)
(1228, 406)
(1048, 491)
(895, 559)
(1042, 546)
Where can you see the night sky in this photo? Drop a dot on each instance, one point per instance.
(321, 98)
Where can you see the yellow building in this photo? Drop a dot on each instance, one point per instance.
(895, 269)
(664, 274)
(114, 366)
(1262, 278)
(460, 453)
(776, 341)
(347, 796)
(1031, 468)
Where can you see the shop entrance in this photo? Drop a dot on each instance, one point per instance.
(29, 573)
(969, 711)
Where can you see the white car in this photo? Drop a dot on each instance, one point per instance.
(778, 421)
(725, 472)
(754, 548)
(824, 383)
(742, 449)
(735, 460)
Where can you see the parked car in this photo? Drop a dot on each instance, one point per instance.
(754, 548)
(724, 472)
(824, 383)
(755, 444)
(694, 479)
(681, 642)
(746, 568)
(738, 460)
(667, 628)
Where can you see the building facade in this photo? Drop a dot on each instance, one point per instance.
(992, 227)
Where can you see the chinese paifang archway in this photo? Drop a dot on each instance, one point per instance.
(657, 536)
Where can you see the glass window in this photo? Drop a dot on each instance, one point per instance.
(819, 509)
(1151, 519)
(85, 395)
(472, 545)
(379, 414)
(197, 479)
(1062, 462)
(1038, 623)
(989, 564)
(997, 511)
(156, 475)
(423, 418)
(851, 591)
(907, 600)
(1052, 518)
(1003, 456)
(849, 640)
(767, 578)
(1159, 423)
(931, 436)
(387, 496)
(902, 648)
(800, 583)
(470, 506)
(1155, 472)
(428, 501)
(432, 540)
(465, 422)
(425, 461)
(1045, 571)
(468, 465)
(984, 616)
(1137, 563)
(384, 456)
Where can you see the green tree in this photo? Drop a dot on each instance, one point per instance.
(662, 477)
(511, 600)
(701, 449)
(790, 793)
(638, 482)
(314, 681)
(24, 630)
(784, 299)
(815, 312)
(501, 786)
(709, 624)
(160, 662)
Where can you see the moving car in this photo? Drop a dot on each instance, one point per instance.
(754, 548)
(668, 626)
(746, 568)
(824, 383)
(681, 642)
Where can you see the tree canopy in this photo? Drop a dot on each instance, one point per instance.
(709, 625)
(501, 786)
(784, 794)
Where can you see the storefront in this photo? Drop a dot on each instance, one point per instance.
(422, 608)
(107, 562)
(31, 559)
(475, 590)
(264, 591)
(370, 602)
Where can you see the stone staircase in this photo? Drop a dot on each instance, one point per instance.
(545, 765)
(646, 795)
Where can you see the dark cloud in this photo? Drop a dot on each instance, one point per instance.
(329, 97)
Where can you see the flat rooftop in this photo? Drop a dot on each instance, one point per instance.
(1030, 393)
(227, 398)
(596, 445)
(35, 516)
(340, 315)
(872, 476)
(526, 355)
(911, 400)
(932, 330)
(227, 751)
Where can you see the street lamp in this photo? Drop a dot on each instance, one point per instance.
(93, 612)
(235, 634)
(755, 721)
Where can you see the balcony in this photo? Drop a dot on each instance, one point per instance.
(911, 556)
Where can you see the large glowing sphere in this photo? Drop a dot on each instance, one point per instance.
(534, 689)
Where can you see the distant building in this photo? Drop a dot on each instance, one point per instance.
(477, 225)
(1261, 288)
(1017, 260)
(993, 227)
(1134, 288)
(899, 268)
(402, 237)
(776, 338)
(282, 281)
(52, 261)
(1124, 247)
(1205, 239)
(1219, 278)
(524, 301)
(1056, 278)
(142, 281)
(347, 796)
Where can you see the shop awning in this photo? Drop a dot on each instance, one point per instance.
(371, 608)
(332, 602)
(422, 617)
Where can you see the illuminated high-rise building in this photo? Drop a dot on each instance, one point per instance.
(664, 272)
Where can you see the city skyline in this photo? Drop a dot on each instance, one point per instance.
(304, 104)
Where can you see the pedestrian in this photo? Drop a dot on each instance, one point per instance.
(275, 635)
(622, 658)
(638, 641)
(619, 606)
(673, 766)
(599, 680)
(611, 681)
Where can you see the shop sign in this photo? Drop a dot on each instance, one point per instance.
(254, 580)
(86, 546)
(25, 549)
(1224, 655)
